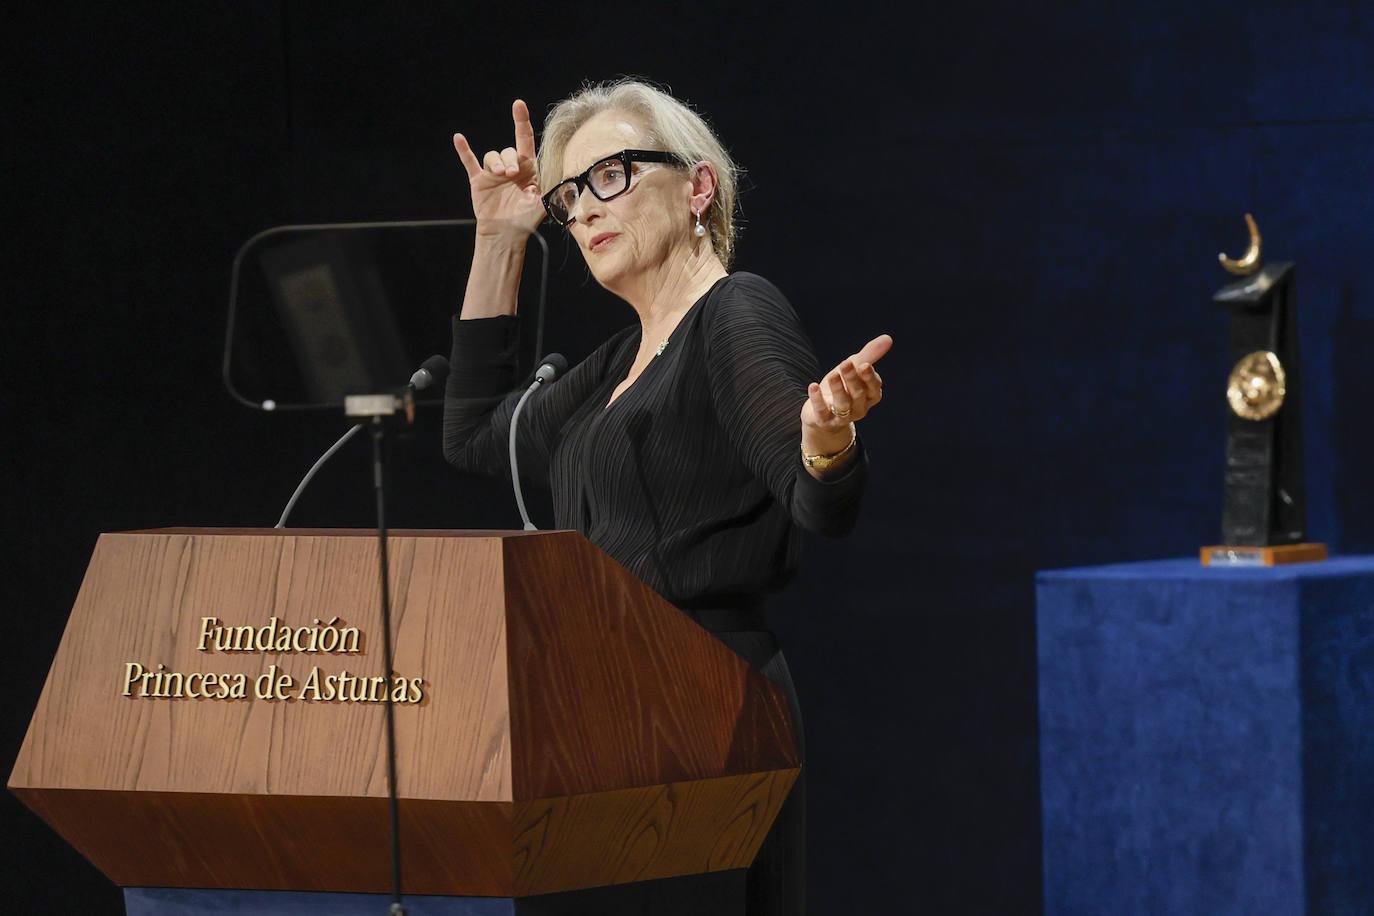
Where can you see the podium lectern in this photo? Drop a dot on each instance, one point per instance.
(214, 719)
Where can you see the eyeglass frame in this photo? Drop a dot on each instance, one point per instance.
(626, 156)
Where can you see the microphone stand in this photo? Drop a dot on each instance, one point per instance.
(314, 469)
(378, 429)
(373, 410)
(515, 459)
(550, 368)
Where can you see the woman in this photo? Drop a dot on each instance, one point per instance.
(693, 445)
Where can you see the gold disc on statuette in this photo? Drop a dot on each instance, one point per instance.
(1257, 385)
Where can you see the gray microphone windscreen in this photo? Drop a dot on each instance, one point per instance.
(432, 371)
(551, 367)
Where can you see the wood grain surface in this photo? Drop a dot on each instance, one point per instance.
(305, 843)
(617, 688)
(142, 601)
(576, 729)
(649, 832)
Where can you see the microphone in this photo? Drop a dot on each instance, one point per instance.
(432, 371)
(553, 366)
(550, 368)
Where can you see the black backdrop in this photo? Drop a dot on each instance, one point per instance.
(1029, 197)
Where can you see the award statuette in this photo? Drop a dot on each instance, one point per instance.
(1264, 519)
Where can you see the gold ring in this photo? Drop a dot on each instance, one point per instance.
(839, 413)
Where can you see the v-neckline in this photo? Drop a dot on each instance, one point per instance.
(617, 398)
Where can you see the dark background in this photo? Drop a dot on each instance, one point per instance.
(1029, 197)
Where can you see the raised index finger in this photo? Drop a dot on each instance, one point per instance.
(874, 350)
(524, 131)
(467, 156)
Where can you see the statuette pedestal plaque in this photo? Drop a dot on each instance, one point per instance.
(1263, 556)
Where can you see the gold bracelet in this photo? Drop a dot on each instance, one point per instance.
(823, 462)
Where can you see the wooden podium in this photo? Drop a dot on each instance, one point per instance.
(559, 726)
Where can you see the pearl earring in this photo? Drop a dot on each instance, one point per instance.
(700, 230)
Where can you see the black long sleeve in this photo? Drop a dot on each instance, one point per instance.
(759, 363)
(692, 478)
(483, 388)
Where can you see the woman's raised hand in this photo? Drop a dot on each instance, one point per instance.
(505, 184)
(846, 395)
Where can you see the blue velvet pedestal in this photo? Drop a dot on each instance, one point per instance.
(717, 893)
(1207, 738)
(161, 901)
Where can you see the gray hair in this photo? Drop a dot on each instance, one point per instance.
(670, 124)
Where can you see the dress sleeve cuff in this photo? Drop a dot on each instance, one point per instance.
(485, 356)
(831, 506)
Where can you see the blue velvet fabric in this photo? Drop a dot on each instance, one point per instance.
(159, 901)
(1207, 738)
(721, 893)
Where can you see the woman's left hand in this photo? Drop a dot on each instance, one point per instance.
(846, 395)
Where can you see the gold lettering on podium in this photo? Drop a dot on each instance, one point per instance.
(273, 636)
(330, 637)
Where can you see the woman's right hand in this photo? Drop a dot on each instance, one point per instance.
(505, 184)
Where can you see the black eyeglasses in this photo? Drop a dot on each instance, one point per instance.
(607, 179)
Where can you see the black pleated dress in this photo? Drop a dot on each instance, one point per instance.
(692, 479)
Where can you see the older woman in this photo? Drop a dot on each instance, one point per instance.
(694, 444)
